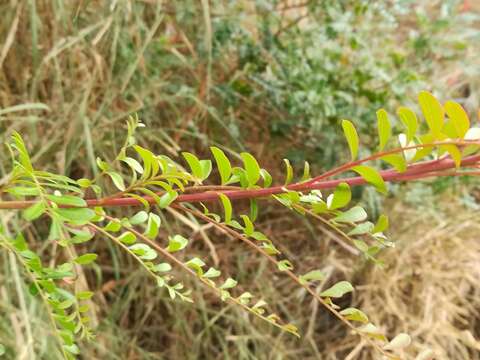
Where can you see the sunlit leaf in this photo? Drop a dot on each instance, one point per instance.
(381, 225)
(341, 196)
(289, 171)
(458, 117)
(223, 164)
(432, 111)
(384, 128)
(176, 243)
(397, 161)
(117, 180)
(227, 207)
(354, 314)
(351, 136)
(251, 167)
(372, 176)
(409, 119)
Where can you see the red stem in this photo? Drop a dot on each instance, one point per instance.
(414, 172)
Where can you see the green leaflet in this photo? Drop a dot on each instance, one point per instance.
(338, 290)
(432, 111)
(285, 265)
(355, 214)
(314, 275)
(384, 128)
(381, 225)
(176, 243)
(409, 119)
(252, 168)
(35, 211)
(397, 161)
(354, 314)
(117, 180)
(153, 226)
(372, 176)
(67, 200)
(458, 117)
(341, 196)
(227, 207)
(86, 259)
(351, 136)
(289, 174)
(78, 216)
(223, 164)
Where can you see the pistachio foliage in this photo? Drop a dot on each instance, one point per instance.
(444, 145)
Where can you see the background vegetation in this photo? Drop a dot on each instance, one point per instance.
(273, 77)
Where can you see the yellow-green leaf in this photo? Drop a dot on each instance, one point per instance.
(341, 196)
(384, 128)
(223, 164)
(455, 154)
(409, 119)
(351, 136)
(289, 175)
(372, 176)
(354, 315)
(458, 116)
(227, 207)
(397, 161)
(251, 167)
(338, 290)
(432, 111)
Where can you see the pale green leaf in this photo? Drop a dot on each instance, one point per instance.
(117, 180)
(314, 275)
(143, 251)
(162, 267)
(212, 273)
(409, 119)
(139, 218)
(228, 284)
(363, 228)
(400, 341)
(176, 243)
(338, 290)
(355, 214)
